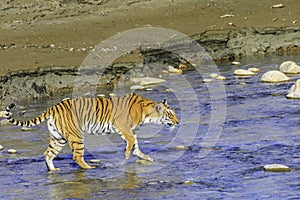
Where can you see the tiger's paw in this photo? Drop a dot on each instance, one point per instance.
(54, 169)
(148, 158)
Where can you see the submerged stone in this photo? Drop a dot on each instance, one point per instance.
(289, 67)
(94, 161)
(147, 80)
(294, 91)
(276, 168)
(243, 72)
(274, 76)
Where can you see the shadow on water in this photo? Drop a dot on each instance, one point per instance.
(261, 127)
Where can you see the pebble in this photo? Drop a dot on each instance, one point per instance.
(143, 162)
(2, 114)
(1, 147)
(207, 80)
(94, 161)
(12, 151)
(188, 183)
(227, 15)
(236, 63)
(26, 129)
(221, 78)
(147, 80)
(101, 95)
(253, 69)
(274, 76)
(243, 72)
(181, 147)
(172, 69)
(276, 168)
(280, 5)
(137, 87)
(213, 75)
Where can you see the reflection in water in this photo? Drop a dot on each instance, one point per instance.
(61, 188)
(81, 184)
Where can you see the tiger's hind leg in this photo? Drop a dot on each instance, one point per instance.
(53, 149)
(78, 152)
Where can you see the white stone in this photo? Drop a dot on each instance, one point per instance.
(94, 161)
(253, 69)
(294, 91)
(276, 168)
(137, 87)
(172, 69)
(236, 63)
(274, 76)
(213, 75)
(1, 147)
(207, 80)
(221, 78)
(243, 72)
(26, 129)
(2, 114)
(147, 80)
(289, 67)
(12, 151)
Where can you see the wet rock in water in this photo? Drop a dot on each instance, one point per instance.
(1, 147)
(289, 67)
(2, 114)
(26, 129)
(216, 76)
(207, 80)
(221, 78)
(12, 151)
(4, 122)
(94, 161)
(172, 69)
(137, 87)
(144, 162)
(276, 168)
(253, 69)
(274, 76)
(188, 183)
(236, 63)
(213, 75)
(243, 72)
(147, 80)
(294, 91)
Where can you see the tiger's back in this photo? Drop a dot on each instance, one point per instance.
(70, 119)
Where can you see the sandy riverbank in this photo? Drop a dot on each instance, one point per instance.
(39, 34)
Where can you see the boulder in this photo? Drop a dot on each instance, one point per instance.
(243, 72)
(289, 67)
(274, 76)
(294, 91)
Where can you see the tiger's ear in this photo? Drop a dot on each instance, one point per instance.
(165, 101)
(159, 107)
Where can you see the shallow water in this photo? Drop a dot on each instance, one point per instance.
(261, 127)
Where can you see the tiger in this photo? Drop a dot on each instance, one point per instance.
(71, 118)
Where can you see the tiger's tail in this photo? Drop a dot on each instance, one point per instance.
(28, 123)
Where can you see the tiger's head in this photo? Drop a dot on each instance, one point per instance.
(161, 113)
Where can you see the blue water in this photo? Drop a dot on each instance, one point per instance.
(261, 127)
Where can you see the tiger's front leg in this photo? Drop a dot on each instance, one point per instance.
(137, 152)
